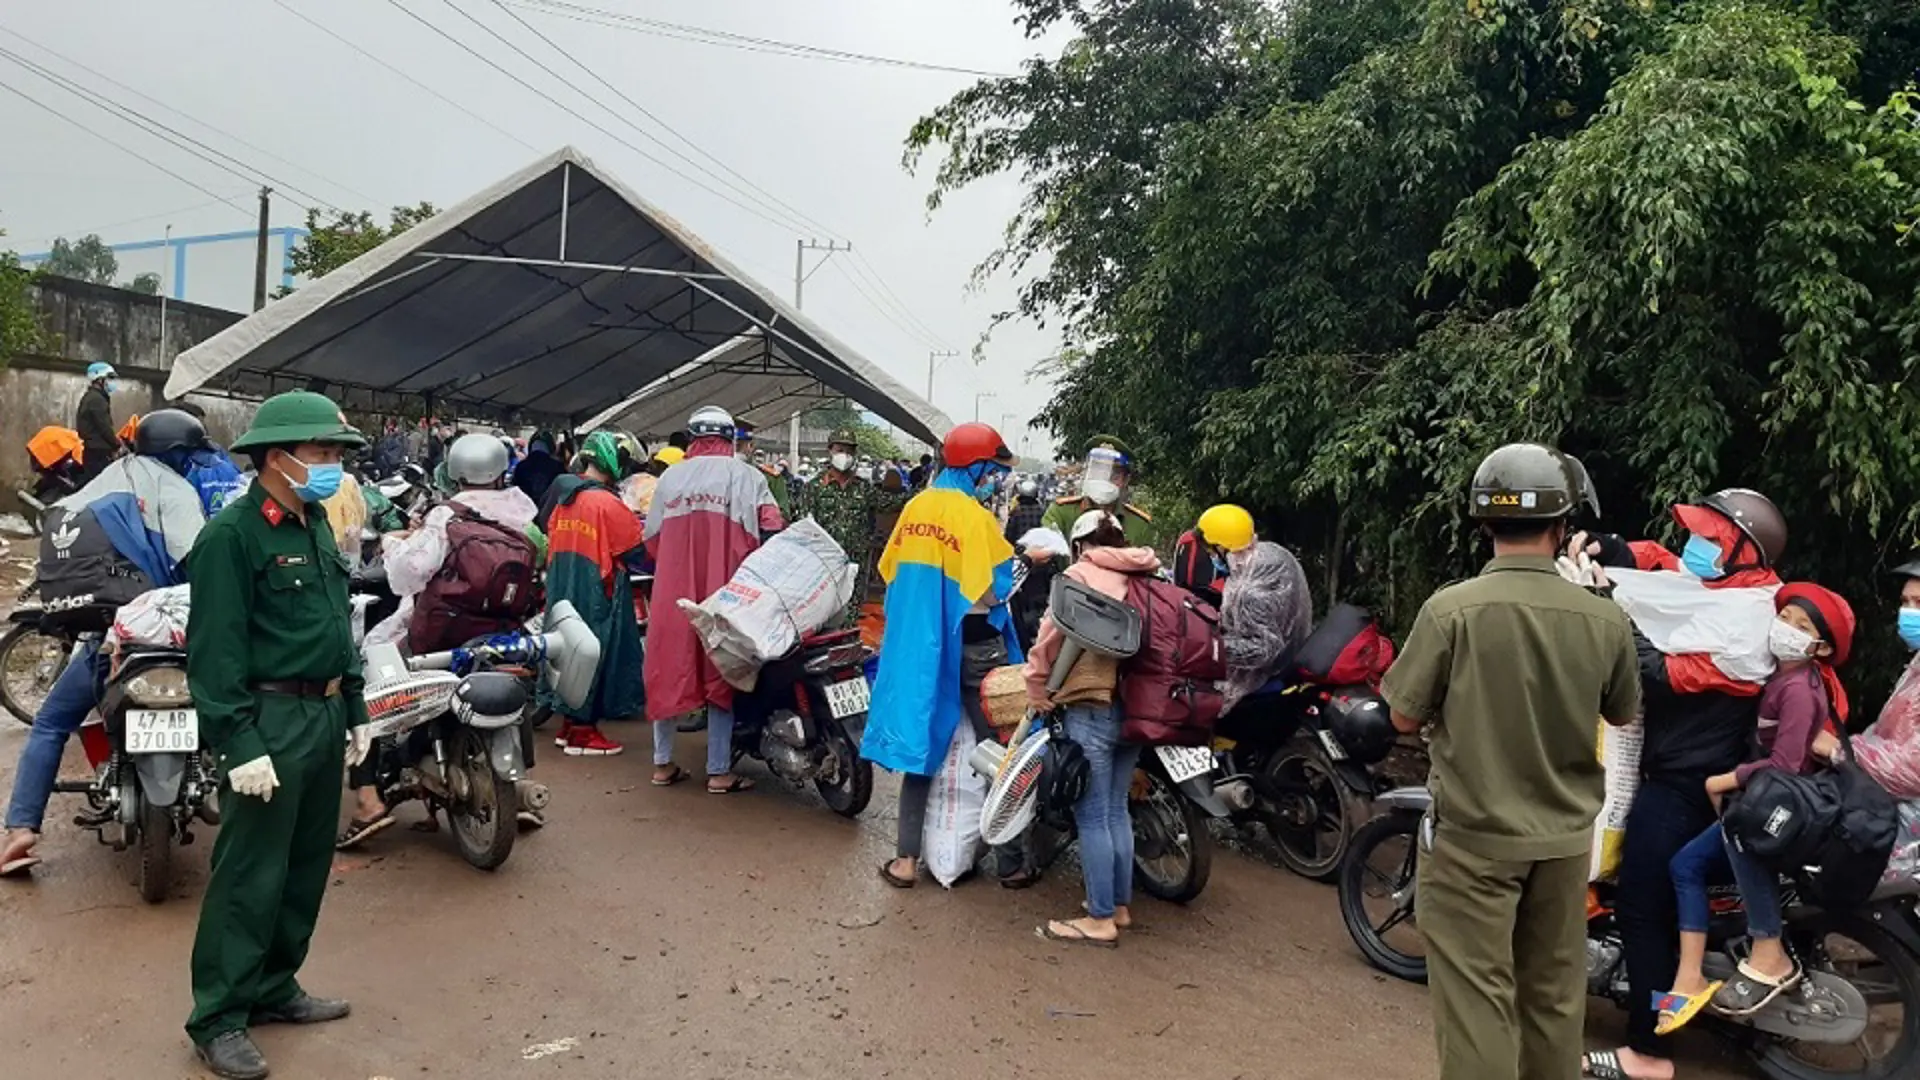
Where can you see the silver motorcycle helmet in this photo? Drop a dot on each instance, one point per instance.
(476, 460)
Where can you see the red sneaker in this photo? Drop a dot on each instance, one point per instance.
(586, 741)
(565, 733)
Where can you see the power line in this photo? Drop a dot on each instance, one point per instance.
(764, 194)
(874, 277)
(729, 39)
(97, 229)
(109, 140)
(110, 80)
(444, 99)
(911, 332)
(146, 123)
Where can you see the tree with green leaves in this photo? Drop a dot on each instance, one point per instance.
(19, 323)
(336, 238)
(1321, 262)
(148, 283)
(86, 259)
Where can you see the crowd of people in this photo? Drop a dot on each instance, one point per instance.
(1507, 673)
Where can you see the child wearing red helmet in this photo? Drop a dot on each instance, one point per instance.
(1812, 635)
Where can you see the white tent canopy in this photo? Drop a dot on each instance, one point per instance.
(556, 295)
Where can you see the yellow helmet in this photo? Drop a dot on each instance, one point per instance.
(1227, 526)
(669, 455)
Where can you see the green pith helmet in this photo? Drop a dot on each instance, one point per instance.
(843, 437)
(299, 416)
(1526, 482)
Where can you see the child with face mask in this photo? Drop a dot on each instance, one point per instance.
(1812, 634)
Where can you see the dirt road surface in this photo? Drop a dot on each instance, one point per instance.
(668, 933)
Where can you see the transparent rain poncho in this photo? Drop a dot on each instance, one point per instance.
(1266, 611)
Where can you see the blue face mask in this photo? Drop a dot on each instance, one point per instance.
(1701, 557)
(986, 484)
(323, 480)
(1219, 566)
(1909, 626)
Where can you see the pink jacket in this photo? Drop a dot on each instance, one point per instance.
(1104, 568)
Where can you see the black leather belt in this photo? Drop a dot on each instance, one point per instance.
(299, 688)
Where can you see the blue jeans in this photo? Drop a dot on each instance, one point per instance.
(1102, 817)
(72, 696)
(719, 741)
(1713, 852)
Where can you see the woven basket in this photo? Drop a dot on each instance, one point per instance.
(1003, 695)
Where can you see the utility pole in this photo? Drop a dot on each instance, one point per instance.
(976, 403)
(800, 271)
(166, 254)
(933, 360)
(260, 253)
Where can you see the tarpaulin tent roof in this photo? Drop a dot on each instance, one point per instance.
(551, 296)
(750, 377)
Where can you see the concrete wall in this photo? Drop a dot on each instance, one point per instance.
(84, 323)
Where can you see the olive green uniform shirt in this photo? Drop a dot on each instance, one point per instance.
(269, 605)
(1515, 669)
(1066, 510)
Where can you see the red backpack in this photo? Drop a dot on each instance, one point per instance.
(1170, 689)
(486, 585)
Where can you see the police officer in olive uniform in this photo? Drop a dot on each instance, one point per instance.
(1103, 486)
(1513, 669)
(277, 682)
(849, 508)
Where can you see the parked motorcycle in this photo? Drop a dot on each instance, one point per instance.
(803, 717)
(446, 727)
(34, 650)
(1855, 1014)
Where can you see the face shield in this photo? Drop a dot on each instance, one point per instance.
(1105, 476)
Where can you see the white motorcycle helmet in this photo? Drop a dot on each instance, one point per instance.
(476, 460)
(711, 420)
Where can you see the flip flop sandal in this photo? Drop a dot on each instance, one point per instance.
(887, 875)
(19, 867)
(1603, 1065)
(1754, 991)
(1046, 931)
(675, 777)
(1677, 1010)
(734, 786)
(1021, 879)
(359, 830)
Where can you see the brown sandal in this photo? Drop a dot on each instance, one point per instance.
(887, 875)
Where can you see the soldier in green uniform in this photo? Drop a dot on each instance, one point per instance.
(776, 480)
(276, 680)
(848, 508)
(1103, 486)
(1513, 669)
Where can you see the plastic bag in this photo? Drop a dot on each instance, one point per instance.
(951, 840)
(1903, 868)
(154, 619)
(794, 584)
(1035, 541)
(1680, 615)
(1890, 750)
(1620, 755)
(1266, 611)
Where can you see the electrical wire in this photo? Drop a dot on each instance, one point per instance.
(729, 39)
(98, 229)
(153, 127)
(444, 99)
(755, 189)
(918, 335)
(109, 140)
(110, 80)
(874, 278)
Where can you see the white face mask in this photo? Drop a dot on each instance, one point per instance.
(1790, 643)
(841, 461)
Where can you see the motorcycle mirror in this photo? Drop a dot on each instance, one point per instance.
(573, 654)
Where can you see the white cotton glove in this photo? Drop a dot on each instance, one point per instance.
(359, 743)
(255, 778)
(1580, 569)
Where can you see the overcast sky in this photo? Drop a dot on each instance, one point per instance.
(824, 137)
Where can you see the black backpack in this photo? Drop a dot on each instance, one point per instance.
(1834, 829)
(79, 566)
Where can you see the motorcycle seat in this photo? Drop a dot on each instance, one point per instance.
(492, 693)
(828, 637)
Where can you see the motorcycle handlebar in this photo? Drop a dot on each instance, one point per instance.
(526, 648)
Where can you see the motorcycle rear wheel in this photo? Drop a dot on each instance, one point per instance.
(156, 852)
(1890, 978)
(1313, 813)
(1360, 875)
(29, 663)
(850, 796)
(485, 844)
(1172, 820)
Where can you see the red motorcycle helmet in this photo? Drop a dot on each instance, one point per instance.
(972, 443)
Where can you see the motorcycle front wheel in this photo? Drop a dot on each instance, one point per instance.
(156, 851)
(1878, 964)
(852, 790)
(1377, 895)
(485, 822)
(1172, 846)
(1312, 813)
(29, 663)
